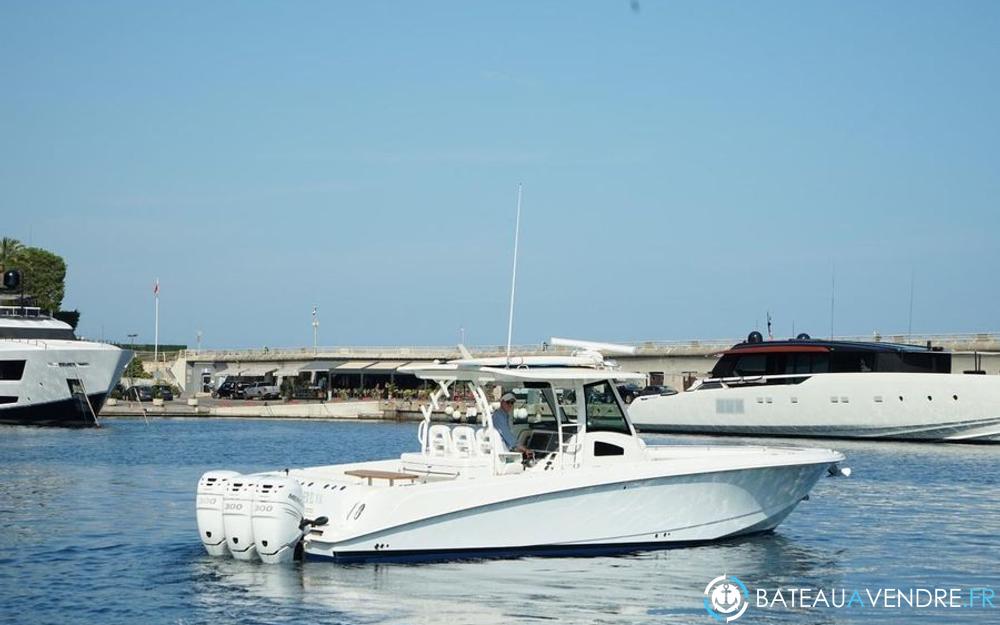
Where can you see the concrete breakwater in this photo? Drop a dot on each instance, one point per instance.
(390, 410)
(266, 410)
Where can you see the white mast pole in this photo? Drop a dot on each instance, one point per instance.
(513, 277)
(909, 323)
(156, 323)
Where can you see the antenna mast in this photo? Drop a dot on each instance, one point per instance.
(909, 324)
(513, 276)
(833, 296)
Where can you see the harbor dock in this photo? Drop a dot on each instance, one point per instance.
(343, 376)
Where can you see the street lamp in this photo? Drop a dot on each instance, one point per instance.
(315, 325)
(131, 340)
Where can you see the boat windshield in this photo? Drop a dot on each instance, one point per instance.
(538, 402)
(535, 406)
(604, 413)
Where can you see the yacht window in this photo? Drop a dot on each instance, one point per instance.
(819, 363)
(11, 369)
(853, 362)
(724, 368)
(8, 399)
(808, 363)
(751, 364)
(926, 362)
(37, 333)
(798, 363)
(604, 413)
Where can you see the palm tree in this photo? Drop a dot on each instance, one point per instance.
(9, 251)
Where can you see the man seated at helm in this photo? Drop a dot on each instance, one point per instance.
(502, 418)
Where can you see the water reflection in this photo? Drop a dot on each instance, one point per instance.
(662, 585)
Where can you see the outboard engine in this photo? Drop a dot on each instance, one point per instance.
(211, 492)
(236, 517)
(278, 507)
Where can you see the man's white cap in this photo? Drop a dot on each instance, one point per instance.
(507, 397)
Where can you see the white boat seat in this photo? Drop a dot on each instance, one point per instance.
(439, 438)
(483, 441)
(463, 441)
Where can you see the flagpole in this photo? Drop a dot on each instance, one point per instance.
(156, 330)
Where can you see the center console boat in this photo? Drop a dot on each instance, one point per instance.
(592, 486)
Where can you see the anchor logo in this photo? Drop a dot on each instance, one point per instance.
(726, 598)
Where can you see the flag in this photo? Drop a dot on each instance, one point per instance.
(156, 288)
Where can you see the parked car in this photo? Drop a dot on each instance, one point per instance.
(163, 391)
(230, 389)
(629, 391)
(658, 389)
(138, 393)
(262, 390)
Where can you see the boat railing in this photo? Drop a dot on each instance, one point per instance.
(30, 312)
(35, 342)
(742, 380)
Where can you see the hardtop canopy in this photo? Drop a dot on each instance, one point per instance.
(484, 374)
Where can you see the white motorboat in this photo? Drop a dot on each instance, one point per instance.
(813, 388)
(594, 485)
(48, 376)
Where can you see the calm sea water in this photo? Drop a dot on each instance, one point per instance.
(98, 527)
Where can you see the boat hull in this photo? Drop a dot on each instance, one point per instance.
(71, 412)
(627, 515)
(891, 406)
(63, 383)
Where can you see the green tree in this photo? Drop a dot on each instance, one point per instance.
(43, 275)
(136, 370)
(9, 251)
(72, 317)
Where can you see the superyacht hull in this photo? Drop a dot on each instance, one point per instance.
(57, 383)
(889, 406)
(71, 412)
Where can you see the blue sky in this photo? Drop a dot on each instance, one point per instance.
(686, 167)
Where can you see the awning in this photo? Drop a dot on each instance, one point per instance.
(386, 365)
(353, 366)
(322, 365)
(356, 364)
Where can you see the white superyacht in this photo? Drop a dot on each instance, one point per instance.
(48, 376)
(815, 388)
